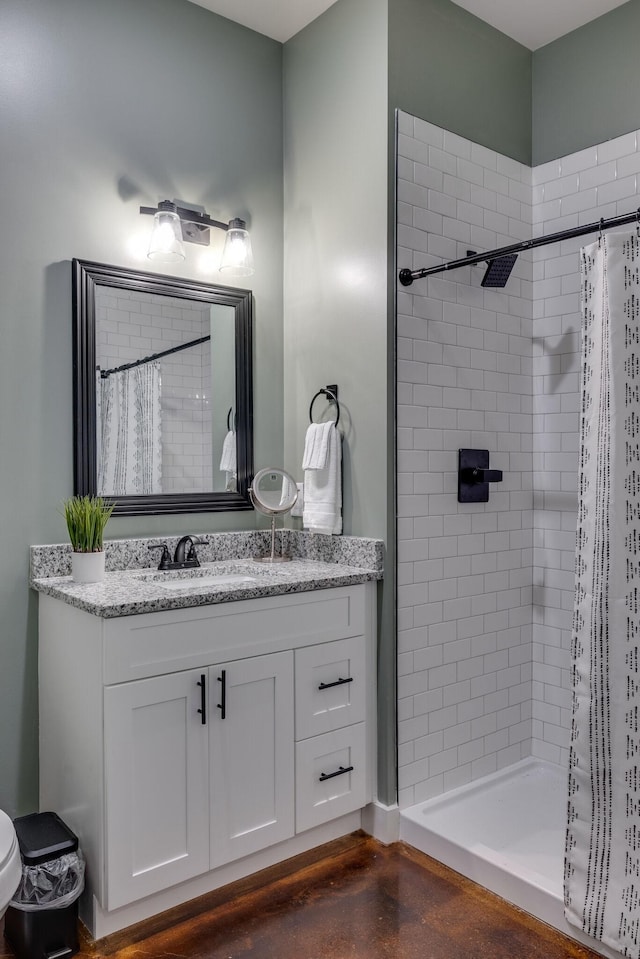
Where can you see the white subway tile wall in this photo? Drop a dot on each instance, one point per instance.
(464, 380)
(134, 325)
(485, 592)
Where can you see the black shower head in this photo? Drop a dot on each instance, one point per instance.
(499, 270)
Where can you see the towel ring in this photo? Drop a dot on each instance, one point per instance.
(332, 397)
(229, 419)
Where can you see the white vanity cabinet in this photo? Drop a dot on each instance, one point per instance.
(180, 743)
(198, 771)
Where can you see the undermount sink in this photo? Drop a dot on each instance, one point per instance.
(202, 582)
(209, 574)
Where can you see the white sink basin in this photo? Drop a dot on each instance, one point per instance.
(202, 582)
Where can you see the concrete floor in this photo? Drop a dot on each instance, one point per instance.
(353, 899)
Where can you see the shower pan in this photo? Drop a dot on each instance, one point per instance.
(505, 832)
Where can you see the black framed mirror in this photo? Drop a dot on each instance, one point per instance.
(162, 391)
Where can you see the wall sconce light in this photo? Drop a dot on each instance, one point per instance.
(174, 225)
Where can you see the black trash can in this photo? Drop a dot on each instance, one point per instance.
(42, 919)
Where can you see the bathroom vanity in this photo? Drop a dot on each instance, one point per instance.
(207, 732)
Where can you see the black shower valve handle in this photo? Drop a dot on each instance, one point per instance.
(477, 475)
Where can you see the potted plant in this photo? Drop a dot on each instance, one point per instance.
(86, 518)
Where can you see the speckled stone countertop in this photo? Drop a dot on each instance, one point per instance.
(227, 572)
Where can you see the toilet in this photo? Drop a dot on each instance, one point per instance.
(10, 862)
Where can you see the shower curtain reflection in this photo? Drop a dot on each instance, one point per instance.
(129, 424)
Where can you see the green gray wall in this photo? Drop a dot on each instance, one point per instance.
(335, 279)
(335, 97)
(452, 69)
(586, 85)
(104, 106)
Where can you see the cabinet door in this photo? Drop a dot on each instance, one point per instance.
(252, 755)
(156, 782)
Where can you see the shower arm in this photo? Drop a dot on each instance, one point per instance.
(407, 276)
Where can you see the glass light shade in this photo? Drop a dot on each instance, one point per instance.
(165, 245)
(237, 256)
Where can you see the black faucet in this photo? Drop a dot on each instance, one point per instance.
(183, 558)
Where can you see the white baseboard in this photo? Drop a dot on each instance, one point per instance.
(382, 822)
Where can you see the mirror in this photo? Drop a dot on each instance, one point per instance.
(273, 492)
(163, 410)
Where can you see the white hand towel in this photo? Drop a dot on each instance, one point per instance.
(316, 446)
(228, 458)
(322, 509)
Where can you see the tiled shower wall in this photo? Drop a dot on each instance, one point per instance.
(483, 659)
(464, 380)
(133, 325)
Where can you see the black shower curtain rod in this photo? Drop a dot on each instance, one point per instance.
(408, 276)
(155, 356)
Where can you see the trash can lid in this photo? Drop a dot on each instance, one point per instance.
(43, 836)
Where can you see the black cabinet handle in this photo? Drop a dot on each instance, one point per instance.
(339, 772)
(338, 682)
(222, 705)
(203, 699)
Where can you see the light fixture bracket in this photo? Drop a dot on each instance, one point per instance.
(195, 233)
(196, 226)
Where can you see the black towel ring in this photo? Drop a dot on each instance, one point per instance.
(332, 398)
(229, 419)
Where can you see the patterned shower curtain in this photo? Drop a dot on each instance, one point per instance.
(130, 451)
(602, 856)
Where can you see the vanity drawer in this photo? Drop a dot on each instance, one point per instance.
(153, 643)
(331, 776)
(330, 686)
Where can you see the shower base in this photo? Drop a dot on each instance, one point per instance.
(506, 832)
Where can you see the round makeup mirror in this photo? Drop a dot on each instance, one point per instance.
(273, 492)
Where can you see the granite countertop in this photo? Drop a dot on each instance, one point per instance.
(129, 592)
(139, 589)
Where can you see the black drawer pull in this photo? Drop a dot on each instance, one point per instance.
(338, 682)
(222, 705)
(339, 772)
(203, 699)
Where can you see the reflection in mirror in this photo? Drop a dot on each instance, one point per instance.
(162, 391)
(273, 492)
(166, 383)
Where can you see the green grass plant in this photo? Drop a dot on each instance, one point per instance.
(86, 518)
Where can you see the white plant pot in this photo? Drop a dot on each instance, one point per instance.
(87, 567)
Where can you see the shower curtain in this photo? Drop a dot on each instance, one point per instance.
(130, 451)
(602, 854)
